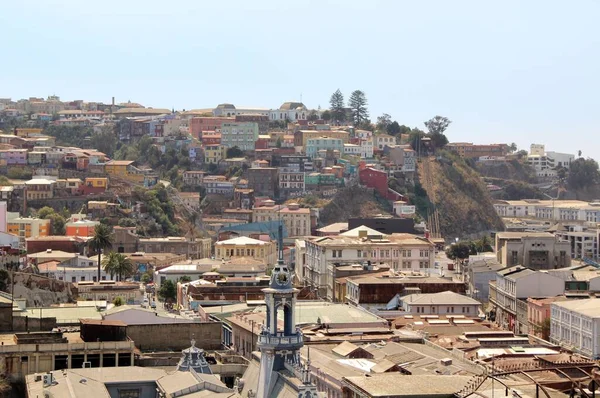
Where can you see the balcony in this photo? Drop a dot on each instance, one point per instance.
(280, 339)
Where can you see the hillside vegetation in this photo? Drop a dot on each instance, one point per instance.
(449, 185)
(510, 170)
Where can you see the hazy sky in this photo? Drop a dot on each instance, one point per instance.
(522, 71)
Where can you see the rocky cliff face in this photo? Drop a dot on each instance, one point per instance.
(41, 291)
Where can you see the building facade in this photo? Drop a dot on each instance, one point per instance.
(240, 134)
(512, 288)
(537, 250)
(404, 252)
(246, 247)
(575, 325)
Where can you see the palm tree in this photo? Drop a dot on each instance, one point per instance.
(109, 263)
(100, 241)
(117, 264)
(123, 266)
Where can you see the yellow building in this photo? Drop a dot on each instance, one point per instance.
(124, 169)
(214, 153)
(40, 188)
(246, 247)
(295, 218)
(28, 132)
(96, 182)
(25, 227)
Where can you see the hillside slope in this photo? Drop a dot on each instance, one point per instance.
(353, 202)
(458, 193)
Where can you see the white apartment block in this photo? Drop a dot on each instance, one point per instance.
(584, 242)
(545, 161)
(242, 134)
(575, 325)
(550, 210)
(403, 252)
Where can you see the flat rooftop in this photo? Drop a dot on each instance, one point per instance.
(392, 385)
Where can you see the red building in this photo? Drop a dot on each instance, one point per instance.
(69, 244)
(200, 124)
(262, 143)
(375, 179)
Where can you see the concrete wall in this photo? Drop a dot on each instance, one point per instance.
(539, 285)
(176, 337)
(28, 324)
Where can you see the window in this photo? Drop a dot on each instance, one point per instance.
(83, 279)
(73, 279)
(129, 393)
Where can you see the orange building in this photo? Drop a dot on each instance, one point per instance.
(25, 227)
(81, 228)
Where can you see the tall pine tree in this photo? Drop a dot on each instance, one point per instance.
(358, 105)
(337, 111)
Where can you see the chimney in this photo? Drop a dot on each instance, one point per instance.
(362, 234)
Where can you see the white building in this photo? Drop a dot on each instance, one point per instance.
(575, 325)
(240, 134)
(550, 210)
(544, 161)
(352, 149)
(403, 209)
(401, 251)
(381, 140)
(228, 110)
(366, 147)
(443, 303)
(509, 293)
(289, 111)
(584, 242)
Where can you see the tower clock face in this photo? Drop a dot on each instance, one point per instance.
(282, 278)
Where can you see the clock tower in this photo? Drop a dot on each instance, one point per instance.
(278, 341)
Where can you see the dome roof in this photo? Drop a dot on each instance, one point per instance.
(286, 106)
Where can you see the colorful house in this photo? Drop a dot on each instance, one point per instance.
(124, 169)
(93, 185)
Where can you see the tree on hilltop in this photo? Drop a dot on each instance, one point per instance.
(337, 110)
(358, 105)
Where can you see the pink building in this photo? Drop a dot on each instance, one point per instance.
(13, 156)
(200, 124)
(538, 315)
